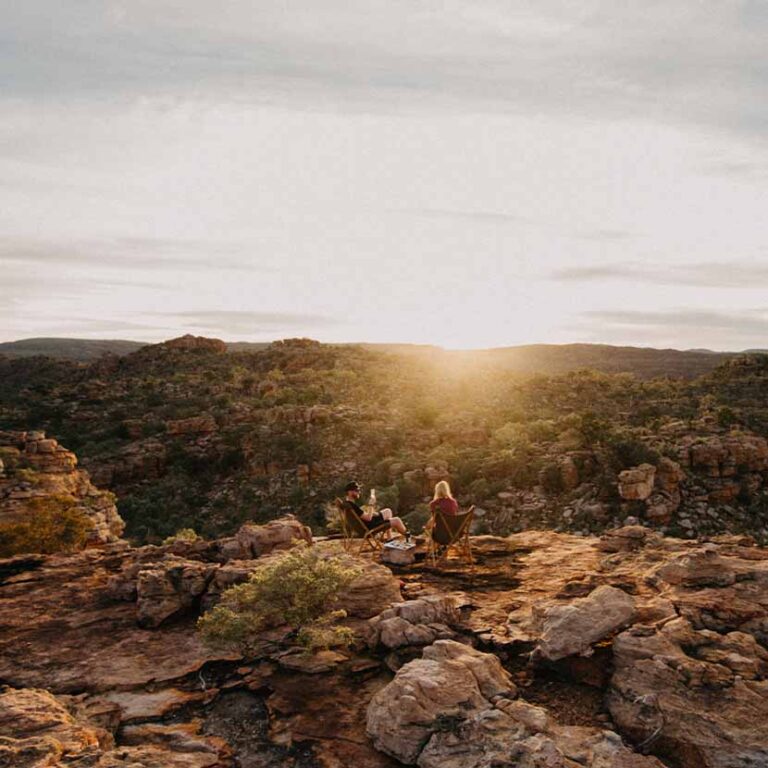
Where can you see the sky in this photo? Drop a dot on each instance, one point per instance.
(472, 174)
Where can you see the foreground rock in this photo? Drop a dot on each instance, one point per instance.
(677, 633)
(37, 729)
(455, 708)
(571, 629)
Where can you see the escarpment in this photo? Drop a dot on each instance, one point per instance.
(626, 651)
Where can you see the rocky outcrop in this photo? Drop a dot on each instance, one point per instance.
(416, 622)
(257, 540)
(37, 729)
(450, 681)
(190, 343)
(637, 483)
(170, 581)
(37, 472)
(170, 587)
(574, 628)
(665, 640)
(194, 425)
(695, 694)
(455, 708)
(138, 461)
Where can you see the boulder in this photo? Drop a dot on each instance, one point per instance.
(636, 484)
(415, 622)
(702, 568)
(573, 628)
(169, 587)
(374, 590)
(429, 691)
(455, 708)
(37, 730)
(258, 540)
(698, 697)
(669, 475)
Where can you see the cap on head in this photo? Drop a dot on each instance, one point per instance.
(353, 486)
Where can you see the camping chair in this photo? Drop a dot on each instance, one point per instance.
(451, 532)
(352, 528)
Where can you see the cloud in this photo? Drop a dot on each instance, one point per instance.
(233, 321)
(607, 235)
(688, 62)
(475, 217)
(735, 274)
(747, 322)
(125, 252)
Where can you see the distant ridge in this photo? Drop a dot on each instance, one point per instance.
(645, 362)
(79, 350)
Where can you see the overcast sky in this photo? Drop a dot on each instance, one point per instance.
(462, 173)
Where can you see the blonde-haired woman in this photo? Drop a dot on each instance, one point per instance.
(442, 501)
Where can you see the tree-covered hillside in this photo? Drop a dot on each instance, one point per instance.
(190, 435)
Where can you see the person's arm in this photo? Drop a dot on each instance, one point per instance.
(360, 512)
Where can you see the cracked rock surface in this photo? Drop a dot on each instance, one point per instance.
(633, 651)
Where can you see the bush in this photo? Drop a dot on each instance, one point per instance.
(299, 588)
(627, 451)
(55, 524)
(417, 518)
(551, 478)
(187, 535)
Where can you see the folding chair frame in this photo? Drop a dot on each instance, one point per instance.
(353, 528)
(459, 541)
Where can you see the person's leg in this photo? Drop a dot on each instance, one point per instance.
(386, 513)
(398, 525)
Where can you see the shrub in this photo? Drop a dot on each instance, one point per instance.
(551, 477)
(299, 588)
(54, 524)
(187, 535)
(627, 451)
(417, 518)
(479, 490)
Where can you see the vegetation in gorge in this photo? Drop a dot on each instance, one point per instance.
(287, 425)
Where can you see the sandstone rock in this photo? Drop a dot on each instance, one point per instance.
(402, 717)
(679, 687)
(54, 480)
(669, 475)
(36, 730)
(143, 705)
(698, 569)
(627, 539)
(311, 663)
(637, 483)
(437, 713)
(415, 622)
(258, 540)
(371, 592)
(30, 712)
(169, 587)
(573, 628)
(491, 678)
(195, 425)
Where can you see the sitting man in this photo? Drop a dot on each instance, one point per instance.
(371, 519)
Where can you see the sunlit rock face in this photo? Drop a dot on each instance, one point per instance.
(35, 469)
(553, 649)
